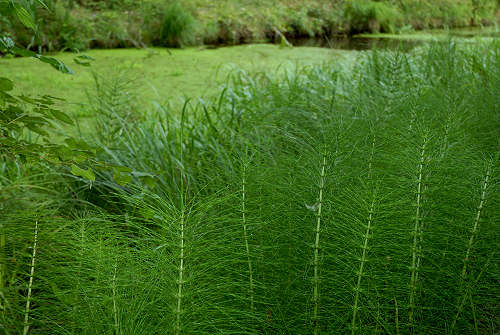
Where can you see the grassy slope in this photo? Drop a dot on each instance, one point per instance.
(188, 72)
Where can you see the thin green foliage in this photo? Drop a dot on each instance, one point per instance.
(362, 200)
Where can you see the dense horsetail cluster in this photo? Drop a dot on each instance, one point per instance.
(361, 199)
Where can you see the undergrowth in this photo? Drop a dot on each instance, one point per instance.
(333, 200)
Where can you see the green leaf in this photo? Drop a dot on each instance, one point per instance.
(24, 16)
(7, 97)
(56, 64)
(6, 84)
(122, 178)
(42, 4)
(6, 43)
(27, 99)
(61, 116)
(120, 168)
(46, 96)
(23, 52)
(36, 129)
(79, 62)
(78, 145)
(85, 57)
(148, 180)
(79, 172)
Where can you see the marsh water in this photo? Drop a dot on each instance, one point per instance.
(404, 42)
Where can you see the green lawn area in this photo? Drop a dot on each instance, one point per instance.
(160, 74)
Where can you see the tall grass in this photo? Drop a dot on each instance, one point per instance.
(361, 200)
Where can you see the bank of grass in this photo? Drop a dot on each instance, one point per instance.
(158, 74)
(324, 201)
(79, 25)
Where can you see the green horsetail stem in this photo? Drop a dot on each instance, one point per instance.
(316, 247)
(115, 309)
(417, 240)
(30, 285)
(361, 265)
(181, 277)
(365, 244)
(475, 227)
(245, 233)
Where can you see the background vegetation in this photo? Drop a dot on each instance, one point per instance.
(83, 24)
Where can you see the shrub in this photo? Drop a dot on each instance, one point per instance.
(178, 26)
(371, 16)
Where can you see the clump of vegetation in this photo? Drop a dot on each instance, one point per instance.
(371, 16)
(177, 26)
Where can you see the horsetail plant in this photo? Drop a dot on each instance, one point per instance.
(417, 234)
(115, 308)
(366, 237)
(245, 235)
(30, 285)
(475, 227)
(364, 259)
(316, 246)
(181, 274)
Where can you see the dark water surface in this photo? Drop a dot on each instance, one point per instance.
(391, 43)
(357, 43)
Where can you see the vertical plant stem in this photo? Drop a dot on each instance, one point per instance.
(475, 227)
(316, 247)
(3, 261)
(417, 240)
(476, 222)
(396, 316)
(182, 224)
(370, 162)
(181, 276)
(245, 233)
(361, 266)
(115, 309)
(30, 285)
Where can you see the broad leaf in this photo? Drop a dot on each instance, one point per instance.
(57, 64)
(24, 16)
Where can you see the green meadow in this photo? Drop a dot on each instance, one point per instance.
(157, 73)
